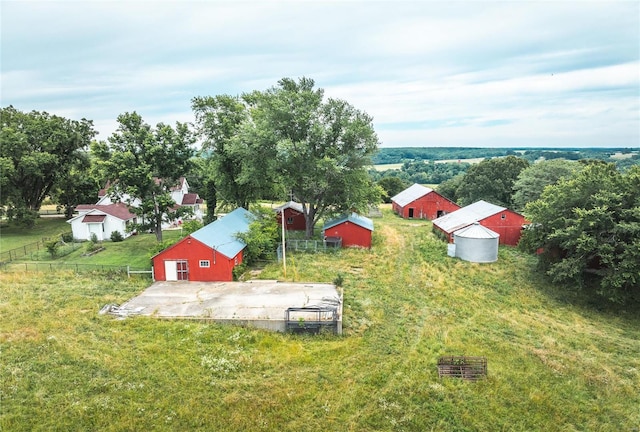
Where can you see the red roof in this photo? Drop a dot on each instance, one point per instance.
(190, 199)
(93, 218)
(119, 210)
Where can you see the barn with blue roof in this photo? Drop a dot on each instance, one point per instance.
(353, 229)
(207, 255)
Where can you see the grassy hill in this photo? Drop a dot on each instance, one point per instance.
(555, 363)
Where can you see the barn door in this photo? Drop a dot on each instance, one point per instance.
(176, 271)
(182, 271)
(170, 271)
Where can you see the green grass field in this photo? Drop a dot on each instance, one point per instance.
(556, 363)
(12, 236)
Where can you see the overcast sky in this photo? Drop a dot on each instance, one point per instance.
(481, 74)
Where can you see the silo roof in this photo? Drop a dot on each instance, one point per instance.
(467, 215)
(411, 194)
(477, 231)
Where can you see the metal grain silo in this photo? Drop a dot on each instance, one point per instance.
(476, 243)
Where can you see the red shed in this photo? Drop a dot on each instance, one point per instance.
(420, 202)
(207, 255)
(354, 230)
(503, 221)
(294, 216)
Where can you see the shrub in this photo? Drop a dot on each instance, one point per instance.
(191, 226)
(238, 271)
(116, 236)
(52, 247)
(67, 237)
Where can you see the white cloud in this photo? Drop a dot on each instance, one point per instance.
(430, 73)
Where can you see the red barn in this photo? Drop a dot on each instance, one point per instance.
(503, 221)
(354, 230)
(420, 202)
(207, 255)
(294, 216)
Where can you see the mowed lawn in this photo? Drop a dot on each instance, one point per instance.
(555, 363)
(12, 236)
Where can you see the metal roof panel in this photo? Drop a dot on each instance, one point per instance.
(411, 194)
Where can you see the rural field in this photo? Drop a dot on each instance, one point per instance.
(556, 362)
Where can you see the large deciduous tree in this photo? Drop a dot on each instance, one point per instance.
(289, 139)
(241, 163)
(588, 227)
(491, 180)
(533, 179)
(144, 163)
(36, 151)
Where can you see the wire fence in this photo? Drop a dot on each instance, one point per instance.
(34, 250)
(75, 267)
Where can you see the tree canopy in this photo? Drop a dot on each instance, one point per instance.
(143, 164)
(36, 151)
(588, 227)
(491, 180)
(289, 140)
(533, 179)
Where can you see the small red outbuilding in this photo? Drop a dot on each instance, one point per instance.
(353, 229)
(207, 255)
(503, 221)
(294, 216)
(420, 202)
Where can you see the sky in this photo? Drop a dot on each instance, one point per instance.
(430, 73)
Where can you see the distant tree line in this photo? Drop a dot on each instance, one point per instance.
(414, 154)
(423, 172)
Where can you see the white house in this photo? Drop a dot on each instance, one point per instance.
(107, 216)
(101, 220)
(179, 193)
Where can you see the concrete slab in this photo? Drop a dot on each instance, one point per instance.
(257, 303)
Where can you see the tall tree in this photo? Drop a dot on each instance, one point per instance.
(239, 162)
(323, 148)
(288, 139)
(144, 163)
(37, 150)
(76, 187)
(533, 179)
(491, 180)
(588, 226)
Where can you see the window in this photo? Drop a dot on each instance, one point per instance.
(290, 220)
(205, 264)
(504, 216)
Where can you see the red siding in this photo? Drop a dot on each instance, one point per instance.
(429, 206)
(191, 250)
(297, 220)
(507, 223)
(351, 234)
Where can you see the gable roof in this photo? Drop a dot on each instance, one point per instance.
(411, 194)
(117, 210)
(355, 218)
(220, 235)
(191, 199)
(465, 216)
(292, 205)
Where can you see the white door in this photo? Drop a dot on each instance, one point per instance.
(171, 270)
(95, 228)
